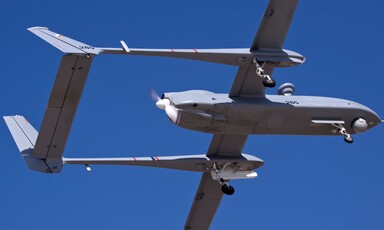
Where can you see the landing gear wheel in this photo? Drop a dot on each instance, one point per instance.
(347, 137)
(348, 140)
(227, 189)
(270, 83)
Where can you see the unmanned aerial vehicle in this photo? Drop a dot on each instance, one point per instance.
(231, 117)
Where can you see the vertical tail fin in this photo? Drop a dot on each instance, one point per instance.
(25, 137)
(22, 132)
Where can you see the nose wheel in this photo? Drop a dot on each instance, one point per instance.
(347, 137)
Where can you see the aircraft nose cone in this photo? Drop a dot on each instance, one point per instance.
(170, 110)
(161, 104)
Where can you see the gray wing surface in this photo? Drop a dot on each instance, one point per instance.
(275, 24)
(248, 84)
(209, 195)
(226, 145)
(205, 204)
(63, 43)
(62, 106)
(271, 35)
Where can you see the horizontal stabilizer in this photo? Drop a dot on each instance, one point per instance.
(236, 57)
(63, 43)
(25, 137)
(197, 163)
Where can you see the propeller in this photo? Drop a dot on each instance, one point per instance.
(165, 104)
(154, 95)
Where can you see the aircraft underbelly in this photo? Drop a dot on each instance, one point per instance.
(292, 120)
(296, 118)
(278, 115)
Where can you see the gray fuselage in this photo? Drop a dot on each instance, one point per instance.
(273, 114)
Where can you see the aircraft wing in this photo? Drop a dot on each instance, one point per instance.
(209, 194)
(248, 84)
(226, 145)
(205, 204)
(63, 43)
(275, 24)
(270, 35)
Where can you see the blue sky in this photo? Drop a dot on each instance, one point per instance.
(307, 182)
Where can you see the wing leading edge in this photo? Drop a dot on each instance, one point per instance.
(271, 35)
(275, 24)
(205, 204)
(209, 194)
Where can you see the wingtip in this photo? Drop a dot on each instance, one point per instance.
(37, 28)
(10, 116)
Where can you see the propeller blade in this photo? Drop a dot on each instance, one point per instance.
(154, 96)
